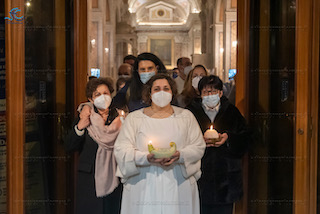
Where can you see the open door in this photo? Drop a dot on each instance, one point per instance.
(282, 104)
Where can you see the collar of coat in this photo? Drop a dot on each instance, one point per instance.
(224, 102)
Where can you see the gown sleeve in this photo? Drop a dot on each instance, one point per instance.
(191, 154)
(125, 149)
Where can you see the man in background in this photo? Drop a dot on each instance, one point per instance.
(184, 67)
(130, 59)
(124, 74)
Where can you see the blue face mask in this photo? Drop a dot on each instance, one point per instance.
(211, 101)
(174, 75)
(145, 76)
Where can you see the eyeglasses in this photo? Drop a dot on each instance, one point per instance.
(206, 92)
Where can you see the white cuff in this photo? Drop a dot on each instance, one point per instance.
(78, 132)
(181, 159)
(140, 158)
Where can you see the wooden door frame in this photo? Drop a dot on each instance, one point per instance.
(242, 82)
(15, 111)
(306, 104)
(80, 51)
(314, 107)
(80, 64)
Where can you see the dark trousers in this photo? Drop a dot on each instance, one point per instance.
(112, 202)
(216, 209)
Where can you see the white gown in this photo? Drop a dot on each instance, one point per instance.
(156, 189)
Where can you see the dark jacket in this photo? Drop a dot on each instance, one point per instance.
(221, 180)
(86, 199)
(122, 100)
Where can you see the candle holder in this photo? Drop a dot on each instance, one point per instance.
(162, 152)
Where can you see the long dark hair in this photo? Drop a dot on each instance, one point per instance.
(189, 92)
(136, 85)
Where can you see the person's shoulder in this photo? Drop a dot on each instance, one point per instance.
(195, 104)
(229, 107)
(181, 112)
(135, 114)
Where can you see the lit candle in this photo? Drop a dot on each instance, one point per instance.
(122, 114)
(212, 134)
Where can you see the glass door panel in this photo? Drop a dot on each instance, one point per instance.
(47, 73)
(272, 77)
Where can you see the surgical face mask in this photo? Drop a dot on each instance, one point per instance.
(102, 102)
(211, 101)
(145, 76)
(195, 81)
(187, 69)
(174, 75)
(161, 98)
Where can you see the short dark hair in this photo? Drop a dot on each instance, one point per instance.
(92, 77)
(212, 81)
(128, 57)
(93, 84)
(146, 92)
(179, 61)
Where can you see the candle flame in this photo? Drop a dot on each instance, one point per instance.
(150, 142)
(211, 127)
(122, 113)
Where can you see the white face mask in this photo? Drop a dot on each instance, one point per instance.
(102, 102)
(195, 81)
(187, 69)
(161, 98)
(211, 101)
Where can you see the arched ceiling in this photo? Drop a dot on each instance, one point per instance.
(162, 13)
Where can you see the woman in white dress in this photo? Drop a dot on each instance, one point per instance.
(159, 185)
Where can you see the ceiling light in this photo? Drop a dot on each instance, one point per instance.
(161, 23)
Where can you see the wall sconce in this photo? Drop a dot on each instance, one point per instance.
(195, 10)
(221, 50)
(93, 42)
(234, 44)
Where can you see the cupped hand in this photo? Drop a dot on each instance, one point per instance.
(168, 161)
(152, 159)
(223, 138)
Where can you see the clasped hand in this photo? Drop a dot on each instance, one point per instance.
(164, 161)
(84, 121)
(223, 138)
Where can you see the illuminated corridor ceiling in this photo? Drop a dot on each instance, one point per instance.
(163, 14)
